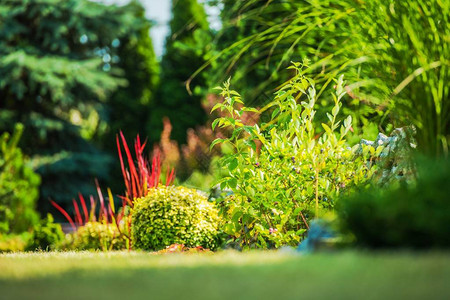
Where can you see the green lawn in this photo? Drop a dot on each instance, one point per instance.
(226, 275)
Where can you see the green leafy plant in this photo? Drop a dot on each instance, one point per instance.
(404, 214)
(46, 235)
(286, 171)
(18, 186)
(174, 215)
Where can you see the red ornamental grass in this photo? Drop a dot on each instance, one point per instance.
(138, 179)
(140, 176)
(106, 213)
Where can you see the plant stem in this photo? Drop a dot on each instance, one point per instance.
(304, 220)
(317, 192)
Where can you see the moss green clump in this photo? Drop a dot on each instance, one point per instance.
(95, 236)
(174, 215)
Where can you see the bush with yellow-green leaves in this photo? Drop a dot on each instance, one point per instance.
(95, 236)
(174, 215)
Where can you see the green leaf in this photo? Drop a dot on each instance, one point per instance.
(251, 144)
(348, 122)
(251, 109)
(275, 113)
(215, 142)
(231, 120)
(232, 183)
(327, 129)
(250, 192)
(216, 106)
(330, 117)
(335, 110)
(214, 124)
(249, 129)
(236, 215)
(233, 164)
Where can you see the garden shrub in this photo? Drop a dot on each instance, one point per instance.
(95, 236)
(14, 242)
(174, 215)
(288, 170)
(18, 186)
(404, 214)
(46, 235)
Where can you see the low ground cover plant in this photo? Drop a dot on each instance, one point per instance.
(174, 215)
(288, 170)
(95, 236)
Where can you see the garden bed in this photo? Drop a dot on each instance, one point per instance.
(225, 275)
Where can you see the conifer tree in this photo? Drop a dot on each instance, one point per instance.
(189, 30)
(128, 107)
(56, 71)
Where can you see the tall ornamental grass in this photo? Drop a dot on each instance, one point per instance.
(395, 54)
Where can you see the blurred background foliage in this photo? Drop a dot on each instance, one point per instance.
(184, 53)
(76, 72)
(59, 64)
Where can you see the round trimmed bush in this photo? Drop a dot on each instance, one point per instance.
(174, 215)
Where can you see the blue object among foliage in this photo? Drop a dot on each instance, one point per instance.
(318, 232)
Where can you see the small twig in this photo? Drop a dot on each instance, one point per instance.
(304, 220)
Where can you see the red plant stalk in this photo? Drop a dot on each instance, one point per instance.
(170, 177)
(64, 213)
(139, 176)
(77, 213)
(106, 212)
(92, 214)
(83, 205)
(122, 166)
(134, 176)
(103, 213)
